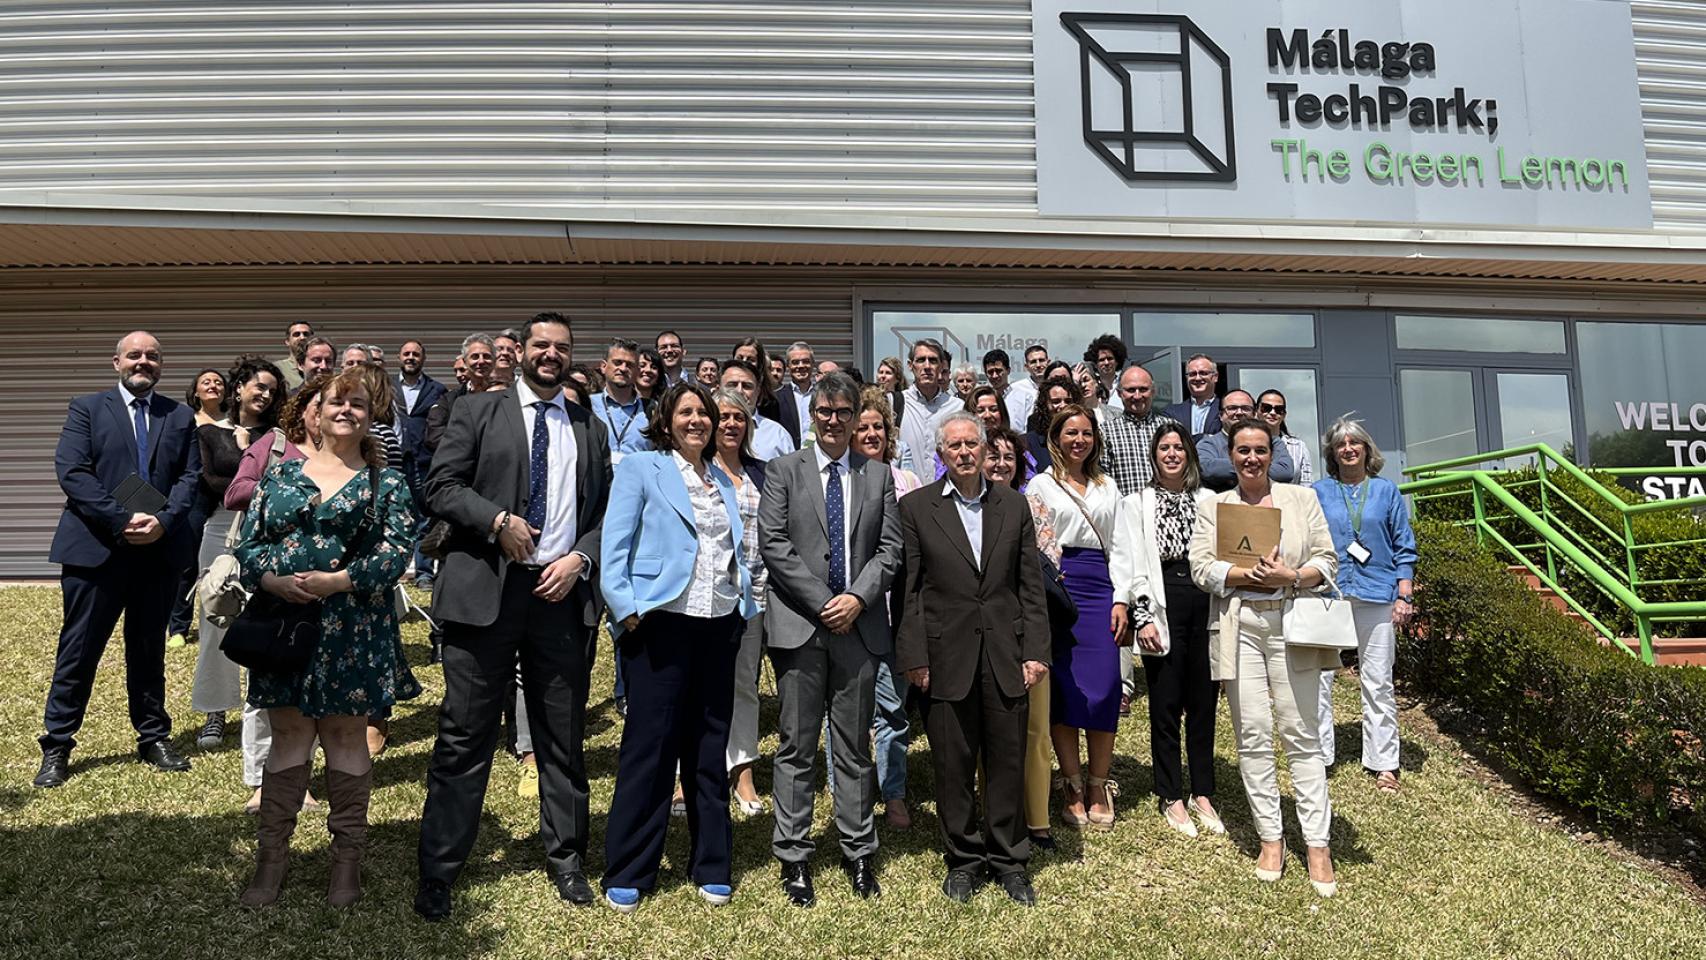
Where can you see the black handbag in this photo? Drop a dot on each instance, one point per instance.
(273, 635)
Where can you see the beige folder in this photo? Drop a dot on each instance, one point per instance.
(1245, 534)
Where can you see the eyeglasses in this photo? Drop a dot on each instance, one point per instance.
(842, 414)
(1278, 408)
(1246, 411)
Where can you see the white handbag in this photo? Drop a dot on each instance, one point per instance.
(1320, 620)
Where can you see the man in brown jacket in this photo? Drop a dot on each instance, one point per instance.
(973, 638)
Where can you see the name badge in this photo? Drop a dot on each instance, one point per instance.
(1356, 551)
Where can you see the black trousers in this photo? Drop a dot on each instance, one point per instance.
(681, 693)
(1180, 685)
(94, 597)
(990, 725)
(479, 664)
(183, 605)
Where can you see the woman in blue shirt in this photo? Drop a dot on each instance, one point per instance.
(1370, 522)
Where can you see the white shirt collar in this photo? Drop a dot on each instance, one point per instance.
(823, 459)
(524, 393)
(128, 398)
(949, 490)
(1204, 403)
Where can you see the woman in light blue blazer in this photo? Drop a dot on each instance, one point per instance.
(679, 596)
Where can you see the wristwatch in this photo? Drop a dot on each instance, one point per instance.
(1405, 597)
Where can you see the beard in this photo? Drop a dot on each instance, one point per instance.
(139, 383)
(544, 378)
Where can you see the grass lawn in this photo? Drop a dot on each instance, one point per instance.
(123, 862)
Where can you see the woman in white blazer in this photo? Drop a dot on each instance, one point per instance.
(1267, 678)
(1155, 596)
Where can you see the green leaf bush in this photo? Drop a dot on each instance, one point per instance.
(1684, 561)
(1589, 725)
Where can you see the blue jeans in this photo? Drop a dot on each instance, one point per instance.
(893, 732)
(414, 476)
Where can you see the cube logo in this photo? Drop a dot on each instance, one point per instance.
(1156, 94)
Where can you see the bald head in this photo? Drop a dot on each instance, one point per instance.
(1137, 391)
(136, 360)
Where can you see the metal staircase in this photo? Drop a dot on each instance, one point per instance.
(1632, 573)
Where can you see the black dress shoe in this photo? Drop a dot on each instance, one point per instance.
(573, 888)
(432, 900)
(1044, 842)
(1018, 887)
(161, 756)
(862, 873)
(797, 884)
(55, 767)
(961, 885)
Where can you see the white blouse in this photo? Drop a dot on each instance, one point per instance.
(1101, 501)
(714, 590)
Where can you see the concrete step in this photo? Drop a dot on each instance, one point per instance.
(1667, 651)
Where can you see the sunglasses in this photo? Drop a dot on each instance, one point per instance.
(1278, 408)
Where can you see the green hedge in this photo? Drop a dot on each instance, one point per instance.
(1589, 725)
(1687, 561)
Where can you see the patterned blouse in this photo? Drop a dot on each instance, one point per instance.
(747, 496)
(1175, 515)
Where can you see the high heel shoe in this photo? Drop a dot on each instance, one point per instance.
(1270, 876)
(1325, 888)
(1110, 790)
(1185, 826)
(1072, 789)
(1210, 821)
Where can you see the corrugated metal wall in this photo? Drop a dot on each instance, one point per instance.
(1670, 51)
(61, 327)
(874, 105)
(807, 104)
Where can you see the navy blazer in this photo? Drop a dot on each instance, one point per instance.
(96, 453)
(1182, 413)
(412, 421)
(788, 412)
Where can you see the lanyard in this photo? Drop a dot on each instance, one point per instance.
(611, 408)
(1360, 501)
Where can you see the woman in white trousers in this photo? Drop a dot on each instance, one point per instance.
(1370, 523)
(1267, 678)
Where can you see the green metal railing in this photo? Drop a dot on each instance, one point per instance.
(1578, 542)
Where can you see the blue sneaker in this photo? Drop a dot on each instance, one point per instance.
(716, 894)
(622, 899)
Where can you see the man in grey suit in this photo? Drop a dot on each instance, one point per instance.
(829, 532)
(522, 476)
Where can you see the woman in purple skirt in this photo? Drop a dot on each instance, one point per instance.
(1082, 503)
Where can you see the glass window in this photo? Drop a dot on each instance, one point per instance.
(1438, 407)
(1225, 329)
(1644, 393)
(1535, 408)
(968, 336)
(1480, 334)
(1301, 417)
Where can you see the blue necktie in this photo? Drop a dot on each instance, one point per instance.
(141, 407)
(538, 468)
(836, 512)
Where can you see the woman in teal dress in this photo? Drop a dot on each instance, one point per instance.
(303, 519)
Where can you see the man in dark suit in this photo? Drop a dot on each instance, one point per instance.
(829, 532)
(117, 560)
(1201, 413)
(522, 475)
(792, 399)
(416, 393)
(974, 638)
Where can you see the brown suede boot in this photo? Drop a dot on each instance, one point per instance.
(281, 797)
(347, 822)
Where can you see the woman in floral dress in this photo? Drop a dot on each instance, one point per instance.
(303, 519)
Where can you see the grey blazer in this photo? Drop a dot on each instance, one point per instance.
(480, 470)
(793, 538)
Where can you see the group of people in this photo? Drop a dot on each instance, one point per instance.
(1000, 557)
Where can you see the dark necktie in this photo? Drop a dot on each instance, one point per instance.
(835, 511)
(538, 467)
(141, 407)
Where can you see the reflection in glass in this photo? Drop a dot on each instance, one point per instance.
(1644, 393)
(1203, 330)
(1480, 334)
(968, 336)
(1535, 408)
(1302, 415)
(1438, 408)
